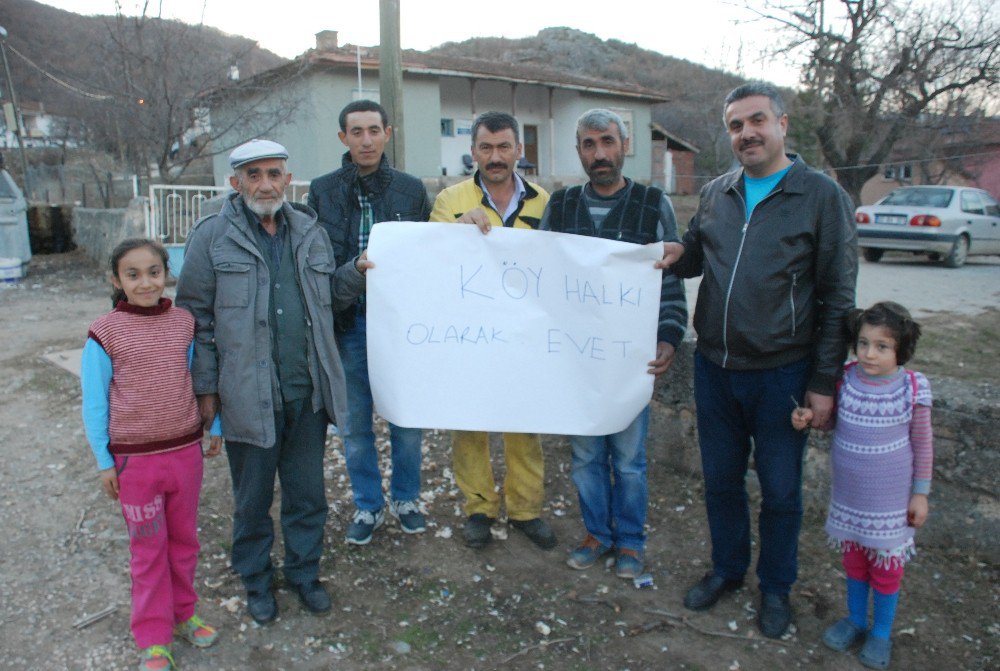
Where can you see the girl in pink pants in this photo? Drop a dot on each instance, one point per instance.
(145, 429)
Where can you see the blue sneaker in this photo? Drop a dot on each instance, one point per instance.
(628, 563)
(411, 520)
(365, 522)
(587, 554)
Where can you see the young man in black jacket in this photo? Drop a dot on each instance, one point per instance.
(348, 202)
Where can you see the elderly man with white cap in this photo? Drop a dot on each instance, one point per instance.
(262, 284)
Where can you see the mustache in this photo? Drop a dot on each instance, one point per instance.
(750, 143)
(497, 164)
(602, 163)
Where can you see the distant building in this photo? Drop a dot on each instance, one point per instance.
(40, 129)
(673, 162)
(441, 97)
(965, 153)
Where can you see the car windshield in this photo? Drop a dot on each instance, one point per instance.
(920, 197)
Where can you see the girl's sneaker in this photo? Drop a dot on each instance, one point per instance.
(876, 653)
(156, 658)
(196, 632)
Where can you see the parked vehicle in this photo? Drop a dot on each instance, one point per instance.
(14, 243)
(947, 223)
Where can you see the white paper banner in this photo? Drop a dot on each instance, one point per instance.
(517, 330)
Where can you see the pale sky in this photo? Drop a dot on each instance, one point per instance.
(716, 33)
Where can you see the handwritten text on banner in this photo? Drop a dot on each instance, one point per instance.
(517, 330)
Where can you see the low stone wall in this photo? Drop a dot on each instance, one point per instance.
(98, 231)
(965, 502)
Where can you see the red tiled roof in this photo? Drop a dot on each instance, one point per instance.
(417, 62)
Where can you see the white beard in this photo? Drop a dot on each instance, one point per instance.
(266, 210)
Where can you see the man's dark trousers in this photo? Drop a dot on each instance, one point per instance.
(740, 411)
(297, 459)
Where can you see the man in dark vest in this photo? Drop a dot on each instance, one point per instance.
(614, 207)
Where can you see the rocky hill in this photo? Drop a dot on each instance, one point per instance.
(695, 91)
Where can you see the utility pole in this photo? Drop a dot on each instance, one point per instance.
(390, 79)
(18, 124)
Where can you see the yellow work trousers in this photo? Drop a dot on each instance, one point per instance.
(523, 486)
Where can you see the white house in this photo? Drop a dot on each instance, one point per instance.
(441, 97)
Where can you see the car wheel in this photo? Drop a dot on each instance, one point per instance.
(959, 252)
(872, 254)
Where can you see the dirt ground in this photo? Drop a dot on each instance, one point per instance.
(411, 602)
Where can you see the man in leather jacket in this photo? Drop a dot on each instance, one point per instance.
(776, 245)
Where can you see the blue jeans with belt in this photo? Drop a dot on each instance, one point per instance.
(744, 412)
(610, 477)
(359, 438)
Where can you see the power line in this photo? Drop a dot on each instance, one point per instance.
(87, 94)
(879, 165)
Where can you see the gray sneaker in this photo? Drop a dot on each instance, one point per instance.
(365, 522)
(411, 520)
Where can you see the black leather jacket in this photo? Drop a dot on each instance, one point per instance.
(395, 196)
(775, 289)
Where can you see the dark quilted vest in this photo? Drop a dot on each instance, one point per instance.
(633, 219)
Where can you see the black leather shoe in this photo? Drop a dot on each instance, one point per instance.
(708, 590)
(262, 606)
(775, 615)
(477, 530)
(538, 531)
(314, 597)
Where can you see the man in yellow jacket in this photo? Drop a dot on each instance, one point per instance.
(497, 196)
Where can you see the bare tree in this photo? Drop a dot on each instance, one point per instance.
(876, 69)
(163, 75)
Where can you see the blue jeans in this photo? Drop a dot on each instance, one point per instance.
(359, 439)
(614, 510)
(297, 459)
(740, 411)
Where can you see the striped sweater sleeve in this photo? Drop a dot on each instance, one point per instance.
(922, 438)
(673, 303)
(95, 382)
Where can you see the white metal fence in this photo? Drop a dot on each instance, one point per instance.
(174, 209)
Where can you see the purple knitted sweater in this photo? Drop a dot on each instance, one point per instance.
(873, 463)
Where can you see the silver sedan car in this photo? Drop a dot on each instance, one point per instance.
(948, 223)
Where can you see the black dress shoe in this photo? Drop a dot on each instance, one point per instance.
(708, 590)
(262, 606)
(477, 530)
(775, 615)
(538, 532)
(314, 597)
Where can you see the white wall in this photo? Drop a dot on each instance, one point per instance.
(311, 137)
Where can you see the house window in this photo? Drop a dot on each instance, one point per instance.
(447, 128)
(626, 116)
(900, 172)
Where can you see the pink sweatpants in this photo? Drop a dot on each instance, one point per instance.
(882, 578)
(159, 497)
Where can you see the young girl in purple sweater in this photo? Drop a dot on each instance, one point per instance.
(882, 458)
(144, 427)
